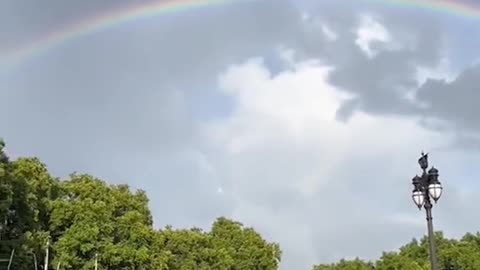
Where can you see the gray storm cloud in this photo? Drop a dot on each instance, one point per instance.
(124, 105)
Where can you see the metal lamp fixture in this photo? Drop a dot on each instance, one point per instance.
(427, 188)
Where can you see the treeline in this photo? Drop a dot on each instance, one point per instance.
(461, 254)
(83, 218)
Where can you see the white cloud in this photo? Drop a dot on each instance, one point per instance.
(287, 55)
(284, 152)
(370, 31)
(316, 23)
(302, 105)
(442, 71)
(329, 33)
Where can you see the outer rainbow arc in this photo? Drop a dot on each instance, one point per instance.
(164, 7)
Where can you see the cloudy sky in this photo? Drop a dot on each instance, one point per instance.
(302, 119)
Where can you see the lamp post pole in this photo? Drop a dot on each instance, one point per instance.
(427, 188)
(431, 236)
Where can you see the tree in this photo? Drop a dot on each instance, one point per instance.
(395, 261)
(245, 246)
(16, 214)
(84, 219)
(463, 254)
(356, 264)
(42, 189)
(91, 217)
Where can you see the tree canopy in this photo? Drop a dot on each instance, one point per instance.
(84, 218)
(461, 254)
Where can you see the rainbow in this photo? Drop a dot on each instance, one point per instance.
(102, 22)
(155, 8)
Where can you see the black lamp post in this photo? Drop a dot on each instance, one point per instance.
(427, 188)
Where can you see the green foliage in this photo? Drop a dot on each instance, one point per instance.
(463, 254)
(84, 218)
(356, 264)
(16, 214)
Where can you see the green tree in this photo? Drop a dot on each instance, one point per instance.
(395, 261)
(192, 249)
(463, 254)
(42, 189)
(355, 264)
(245, 246)
(84, 218)
(91, 217)
(16, 214)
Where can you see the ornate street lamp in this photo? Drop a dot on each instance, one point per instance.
(427, 188)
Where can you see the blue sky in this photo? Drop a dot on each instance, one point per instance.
(234, 111)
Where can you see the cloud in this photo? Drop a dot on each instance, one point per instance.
(132, 87)
(453, 100)
(126, 104)
(292, 167)
(382, 76)
(369, 32)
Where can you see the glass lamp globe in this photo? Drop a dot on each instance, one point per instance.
(418, 198)
(435, 190)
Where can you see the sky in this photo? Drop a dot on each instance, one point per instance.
(301, 119)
